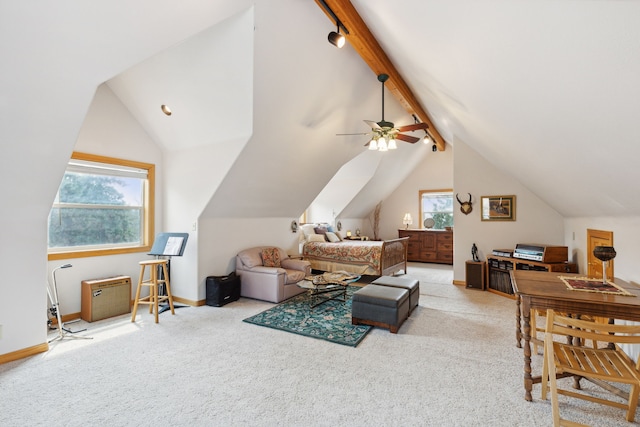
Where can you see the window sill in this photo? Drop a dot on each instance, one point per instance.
(94, 253)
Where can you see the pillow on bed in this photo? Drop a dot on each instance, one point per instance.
(339, 234)
(271, 257)
(316, 238)
(320, 230)
(307, 229)
(332, 237)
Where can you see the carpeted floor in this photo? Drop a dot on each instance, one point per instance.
(453, 363)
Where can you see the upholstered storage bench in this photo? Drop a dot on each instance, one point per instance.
(382, 306)
(412, 285)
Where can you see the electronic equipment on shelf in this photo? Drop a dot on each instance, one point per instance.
(503, 252)
(541, 253)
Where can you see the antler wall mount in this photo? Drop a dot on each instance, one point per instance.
(465, 207)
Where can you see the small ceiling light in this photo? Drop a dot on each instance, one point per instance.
(373, 145)
(165, 109)
(427, 138)
(335, 38)
(392, 144)
(382, 144)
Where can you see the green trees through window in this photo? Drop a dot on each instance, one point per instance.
(92, 210)
(101, 205)
(438, 205)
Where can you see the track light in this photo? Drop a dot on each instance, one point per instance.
(335, 38)
(434, 148)
(427, 138)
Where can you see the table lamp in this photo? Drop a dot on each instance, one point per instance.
(407, 220)
(604, 254)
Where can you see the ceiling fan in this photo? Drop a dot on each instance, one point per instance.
(384, 134)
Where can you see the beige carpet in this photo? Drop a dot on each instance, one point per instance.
(453, 363)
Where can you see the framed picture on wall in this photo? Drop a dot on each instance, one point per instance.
(498, 208)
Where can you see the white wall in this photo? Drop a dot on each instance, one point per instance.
(222, 238)
(108, 130)
(625, 240)
(44, 99)
(435, 172)
(461, 168)
(536, 222)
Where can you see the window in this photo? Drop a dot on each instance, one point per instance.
(103, 206)
(438, 205)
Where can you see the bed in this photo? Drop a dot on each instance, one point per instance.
(376, 258)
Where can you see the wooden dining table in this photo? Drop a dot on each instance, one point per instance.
(543, 290)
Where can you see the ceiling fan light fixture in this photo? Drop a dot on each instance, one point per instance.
(373, 145)
(382, 144)
(392, 144)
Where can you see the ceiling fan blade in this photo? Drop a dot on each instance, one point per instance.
(361, 133)
(407, 138)
(416, 126)
(372, 124)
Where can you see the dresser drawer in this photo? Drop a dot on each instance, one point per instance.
(445, 257)
(428, 256)
(445, 246)
(445, 237)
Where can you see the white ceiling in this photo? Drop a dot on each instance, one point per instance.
(548, 91)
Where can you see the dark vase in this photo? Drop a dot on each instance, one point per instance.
(604, 254)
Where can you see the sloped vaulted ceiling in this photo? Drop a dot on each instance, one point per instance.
(549, 92)
(306, 91)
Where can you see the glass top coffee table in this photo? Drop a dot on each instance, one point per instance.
(327, 286)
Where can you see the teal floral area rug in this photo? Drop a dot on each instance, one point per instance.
(330, 321)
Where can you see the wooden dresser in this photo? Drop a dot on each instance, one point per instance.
(434, 246)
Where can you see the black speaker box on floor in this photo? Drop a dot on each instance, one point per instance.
(475, 275)
(222, 290)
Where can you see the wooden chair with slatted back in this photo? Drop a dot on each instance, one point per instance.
(609, 364)
(535, 329)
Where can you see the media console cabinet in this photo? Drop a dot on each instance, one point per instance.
(499, 268)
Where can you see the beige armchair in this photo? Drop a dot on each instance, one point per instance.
(270, 283)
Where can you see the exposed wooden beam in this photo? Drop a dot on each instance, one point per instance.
(363, 42)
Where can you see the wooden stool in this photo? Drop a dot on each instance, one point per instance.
(154, 283)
